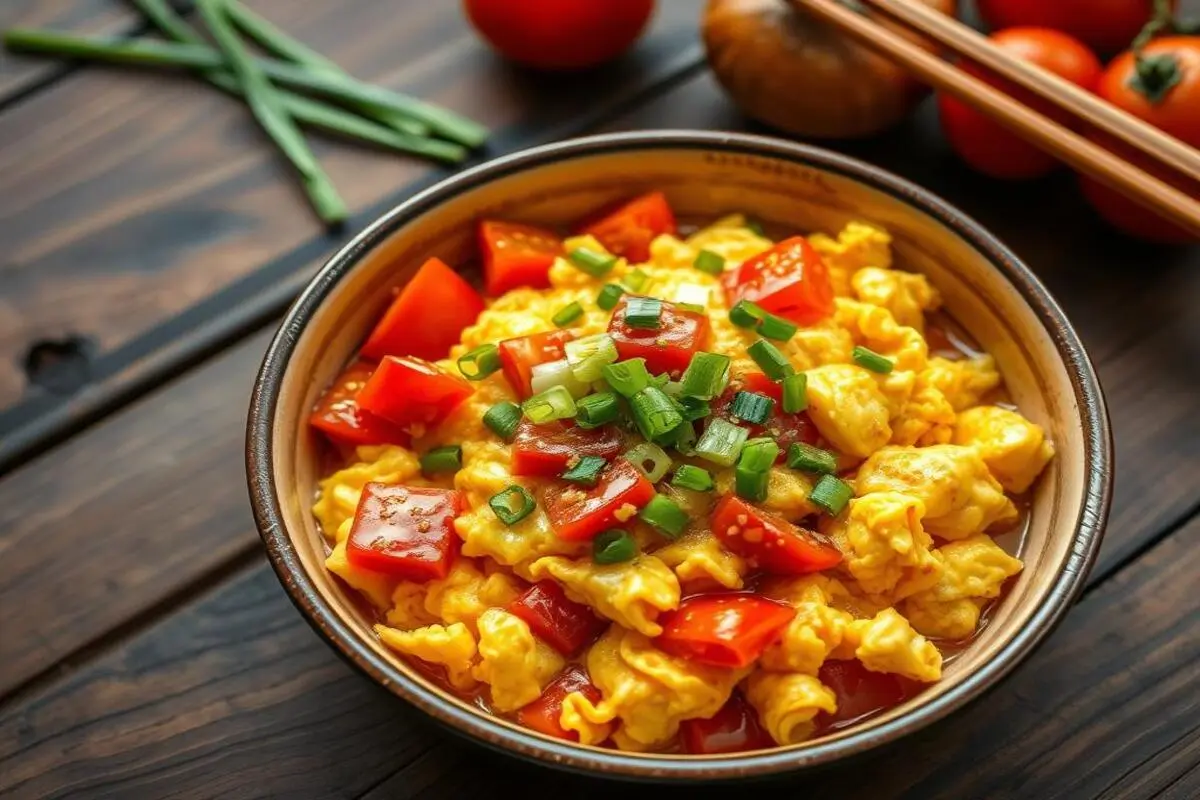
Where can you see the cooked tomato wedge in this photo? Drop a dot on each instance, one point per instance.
(408, 391)
(339, 416)
(578, 515)
(727, 629)
(733, 729)
(861, 692)
(427, 317)
(543, 714)
(628, 230)
(667, 348)
(565, 625)
(516, 255)
(784, 428)
(791, 280)
(405, 531)
(770, 542)
(519, 356)
(545, 450)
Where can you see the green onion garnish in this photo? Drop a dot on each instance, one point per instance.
(635, 280)
(745, 314)
(609, 296)
(613, 547)
(480, 362)
(692, 408)
(628, 377)
(567, 314)
(554, 403)
(596, 409)
(665, 516)
(698, 479)
(587, 356)
(442, 459)
(595, 264)
(752, 407)
(656, 416)
(586, 471)
(770, 360)
(643, 312)
(710, 262)
(869, 359)
(754, 469)
(684, 439)
(651, 460)
(695, 308)
(807, 458)
(705, 376)
(795, 393)
(722, 442)
(512, 504)
(831, 494)
(503, 419)
(777, 328)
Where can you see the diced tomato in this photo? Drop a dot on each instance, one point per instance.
(543, 714)
(790, 280)
(339, 417)
(727, 629)
(519, 356)
(427, 317)
(733, 729)
(770, 542)
(784, 428)
(667, 348)
(516, 255)
(407, 391)
(860, 691)
(577, 515)
(566, 625)
(405, 531)
(545, 450)
(628, 230)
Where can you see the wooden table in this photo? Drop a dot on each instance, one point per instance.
(150, 241)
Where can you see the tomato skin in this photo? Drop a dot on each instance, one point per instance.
(565, 625)
(428, 316)
(516, 255)
(790, 280)
(989, 147)
(406, 532)
(519, 356)
(727, 629)
(545, 450)
(411, 391)
(860, 691)
(542, 715)
(667, 348)
(746, 530)
(786, 429)
(339, 416)
(578, 516)
(628, 230)
(733, 729)
(1106, 25)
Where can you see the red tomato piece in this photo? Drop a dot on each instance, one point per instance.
(628, 230)
(577, 515)
(667, 348)
(542, 715)
(1107, 25)
(784, 428)
(733, 729)
(770, 542)
(405, 531)
(790, 280)
(544, 450)
(412, 391)
(728, 629)
(339, 416)
(428, 316)
(566, 625)
(861, 692)
(516, 255)
(519, 356)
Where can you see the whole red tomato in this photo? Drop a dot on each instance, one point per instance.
(1107, 25)
(987, 145)
(1162, 88)
(560, 34)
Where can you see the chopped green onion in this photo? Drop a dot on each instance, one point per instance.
(567, 314)
(692, 408)
(695, 308)
(831, 494)
(706, 376)
(503, 419)
(752, 407)
(651, 460)
(556, 373)
(722, 442)
(770, 360)
(595, 264)
(442, 459)
(745, 314)
(480, 362)
(628, 377)
(554, 403)
(586, 471)
(795, 393)
(613, 547)
(596, 409)
(698, 479)
(755, 227)
(643, 312)
(609, 296)
(587, 356)
(754, 469)
(661, 380)
(869, 359)
(710, 262)
(807, 458)
(635, 280)
(665, 516)
(656, 416)
(512, 505)
(777, 328)
(685, 439)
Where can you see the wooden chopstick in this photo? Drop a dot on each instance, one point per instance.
(1056, 139)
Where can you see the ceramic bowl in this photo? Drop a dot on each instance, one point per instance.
(986, 289)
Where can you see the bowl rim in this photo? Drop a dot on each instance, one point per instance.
(1091, 516)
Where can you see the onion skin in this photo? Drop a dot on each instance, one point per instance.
(796, 73)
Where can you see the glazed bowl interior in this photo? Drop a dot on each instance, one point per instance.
(704, 175)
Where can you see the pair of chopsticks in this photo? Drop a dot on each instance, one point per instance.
(1170, 155)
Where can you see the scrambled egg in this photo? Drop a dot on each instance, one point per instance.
(973, 571)
(632, 593)
(849, 410)
(815, 632)
(885, 547)
(1014, 449)
(788, 702)
(514, 663)
(450, 646)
